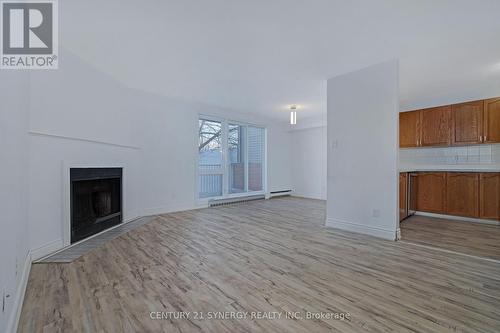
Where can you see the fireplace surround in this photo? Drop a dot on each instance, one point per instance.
(95, 200)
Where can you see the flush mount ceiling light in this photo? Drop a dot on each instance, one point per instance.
(293, 114)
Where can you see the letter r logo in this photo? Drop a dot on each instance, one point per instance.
(27, 27)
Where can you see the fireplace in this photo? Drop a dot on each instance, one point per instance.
(96, 200)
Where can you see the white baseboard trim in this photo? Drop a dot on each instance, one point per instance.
(171, 209)
(298, 195)
(458, 218)
(15, 314)
(46, 249)
(361, 228)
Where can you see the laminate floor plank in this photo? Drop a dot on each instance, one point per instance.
(269, 256)
(482, 240)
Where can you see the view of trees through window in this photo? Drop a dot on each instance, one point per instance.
(239, 168)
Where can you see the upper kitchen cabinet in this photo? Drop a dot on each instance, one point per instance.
(451, 125)
(491, 120)
(409, 129)
(467, 123)
(436, 126)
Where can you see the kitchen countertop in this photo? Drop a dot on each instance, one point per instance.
(457, 168)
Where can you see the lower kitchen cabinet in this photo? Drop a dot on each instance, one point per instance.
(489, 203)
(468, 194)
(431, 192)
(462, 194)
(403, 196)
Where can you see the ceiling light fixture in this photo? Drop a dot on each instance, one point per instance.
(293, 114)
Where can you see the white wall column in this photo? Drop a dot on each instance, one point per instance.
(363, 151)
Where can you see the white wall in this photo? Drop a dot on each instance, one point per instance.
(363, 111)
(14, 247)
(80, 116)
(309, 162)
(280, 158)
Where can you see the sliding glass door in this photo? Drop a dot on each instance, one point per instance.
(256, 151)
(236, 158)
(231, 158)
(210, 159)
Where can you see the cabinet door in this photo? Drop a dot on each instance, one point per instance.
(489, 194)
(412, 192)
(409, 129)
(467, 123)
(462, 194)
(431, 193)
(491, 121)
(436, 126)
(403, 198)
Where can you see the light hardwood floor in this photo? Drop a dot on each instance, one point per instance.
(272, 255)
(475, 239)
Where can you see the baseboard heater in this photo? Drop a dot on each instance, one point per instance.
(230, 201)
(280, 193)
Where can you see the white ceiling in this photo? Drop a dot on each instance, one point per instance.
(262, 55)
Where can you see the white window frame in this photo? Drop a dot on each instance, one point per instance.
(225, 166)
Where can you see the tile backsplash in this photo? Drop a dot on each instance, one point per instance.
(480, 154)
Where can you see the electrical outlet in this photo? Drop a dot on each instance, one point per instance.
(376, 213)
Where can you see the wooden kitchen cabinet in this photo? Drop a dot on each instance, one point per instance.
(436, 126)
(489, 193)
(431, 193)
(403, 196)
(462, 194)
(491, 127)
(468, 194)
(460, 124)
(467, 123)
(412, 192)
(409, 129)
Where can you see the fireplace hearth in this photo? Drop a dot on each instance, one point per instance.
(96, 200)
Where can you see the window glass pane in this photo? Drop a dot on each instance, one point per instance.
(210, 158)
(255, 158)
(210, 145)
(236, 158)
(210, 185)
(231, 158)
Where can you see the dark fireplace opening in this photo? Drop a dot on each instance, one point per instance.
(96, 200)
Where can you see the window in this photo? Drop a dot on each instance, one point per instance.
(231, 158)
(210, 158)
(255, 158)
(236, 158)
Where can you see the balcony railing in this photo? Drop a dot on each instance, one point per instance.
(211, 184)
